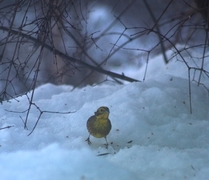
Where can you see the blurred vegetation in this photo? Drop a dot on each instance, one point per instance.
(86, 42)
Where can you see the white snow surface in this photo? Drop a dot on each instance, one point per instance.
(153, 134)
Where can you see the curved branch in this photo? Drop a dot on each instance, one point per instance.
(68, 58)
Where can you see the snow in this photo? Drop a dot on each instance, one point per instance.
(153, 134)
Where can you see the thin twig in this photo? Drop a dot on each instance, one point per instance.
(7, 127)
(71, 59)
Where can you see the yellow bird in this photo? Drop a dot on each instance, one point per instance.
(99, 125)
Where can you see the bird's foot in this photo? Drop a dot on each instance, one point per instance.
(106, 145)
(88, 140)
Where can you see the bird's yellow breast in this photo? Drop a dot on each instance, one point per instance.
(101, 121)
(99, 125)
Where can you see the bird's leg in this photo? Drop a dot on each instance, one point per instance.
(106, 142)
(88, 140)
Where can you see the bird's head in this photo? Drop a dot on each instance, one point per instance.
(103, 110)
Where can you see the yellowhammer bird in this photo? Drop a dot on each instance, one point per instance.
(99, 125)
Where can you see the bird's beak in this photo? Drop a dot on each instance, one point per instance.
(107, 111)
